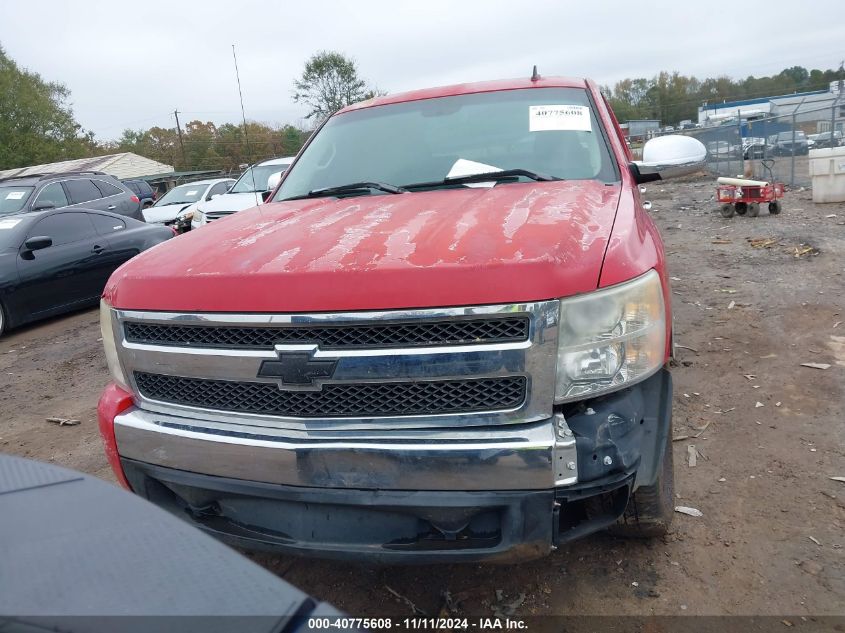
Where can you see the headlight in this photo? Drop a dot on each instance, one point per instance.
(186, 215)
(109, 344)
(198, 216)
(610, 338)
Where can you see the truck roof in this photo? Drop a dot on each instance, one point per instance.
(470, 88)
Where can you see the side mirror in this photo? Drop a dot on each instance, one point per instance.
(669, 157)
(43, 204)
(37, 243)
(273, 180)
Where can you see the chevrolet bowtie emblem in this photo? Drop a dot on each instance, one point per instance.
(297, 369)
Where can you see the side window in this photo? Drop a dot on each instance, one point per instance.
(144, 189)
(107, 189)
(106, 224)
(64, 228)
(82, 190)
(53, 193)
(133, 186)
(217, 189)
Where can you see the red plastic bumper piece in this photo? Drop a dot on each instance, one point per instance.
(112, 403)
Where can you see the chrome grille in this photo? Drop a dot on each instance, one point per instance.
(470, 366)
(425, 333)
(338, 400)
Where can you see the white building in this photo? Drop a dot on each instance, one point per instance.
(806, 106)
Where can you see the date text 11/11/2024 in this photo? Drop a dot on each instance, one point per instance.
(419, 624)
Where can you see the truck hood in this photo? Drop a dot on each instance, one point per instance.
(506, 244)
(232, 202)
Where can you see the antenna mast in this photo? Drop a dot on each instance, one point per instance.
(243, 115)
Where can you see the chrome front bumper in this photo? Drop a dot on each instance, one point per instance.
(504, 493)
(537, 456)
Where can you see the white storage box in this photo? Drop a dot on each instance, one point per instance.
(827, 170)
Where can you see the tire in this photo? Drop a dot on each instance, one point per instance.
(727, 211)
(741, 208)
(2, 320)
(651, 509)
(753, 210)
(774, 207)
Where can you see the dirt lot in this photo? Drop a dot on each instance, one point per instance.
(769, 434)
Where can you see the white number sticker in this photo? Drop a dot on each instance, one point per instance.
(543, 118)
(15, 195)
(9, 223)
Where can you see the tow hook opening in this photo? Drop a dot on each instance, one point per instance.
(577, 517)
(483, 530)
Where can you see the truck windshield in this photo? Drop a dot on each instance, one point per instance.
(13, 199)
(551, 131)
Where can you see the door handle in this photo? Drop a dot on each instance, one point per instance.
(97, 249)
(111, 207)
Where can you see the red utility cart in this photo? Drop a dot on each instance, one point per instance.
(740, 196)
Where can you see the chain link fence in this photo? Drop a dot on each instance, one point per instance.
(773, 148)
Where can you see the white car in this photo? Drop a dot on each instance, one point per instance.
(179, 204)
(247, 192)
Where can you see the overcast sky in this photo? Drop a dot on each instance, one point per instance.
(130, 64)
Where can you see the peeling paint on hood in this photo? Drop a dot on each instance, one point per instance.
(514, 242)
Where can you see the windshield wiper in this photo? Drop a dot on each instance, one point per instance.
(350, 188)
(490, 176)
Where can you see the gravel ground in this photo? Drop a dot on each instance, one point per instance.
(768, 435)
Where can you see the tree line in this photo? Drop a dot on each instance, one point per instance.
(38, 126)
(329, 82)
(673, 97)
(206, 146)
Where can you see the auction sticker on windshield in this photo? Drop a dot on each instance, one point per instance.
(9, 223)
(15, 195)
(544, 118)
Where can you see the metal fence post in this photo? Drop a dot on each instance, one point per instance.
(792, 172)
(794, 119)
(741, 150)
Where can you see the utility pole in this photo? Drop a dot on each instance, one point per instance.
(181, 144)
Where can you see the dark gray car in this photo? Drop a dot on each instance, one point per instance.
(91, 190)
(789, 142)
(141, 188)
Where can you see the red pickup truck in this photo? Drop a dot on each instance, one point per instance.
(444, 337)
